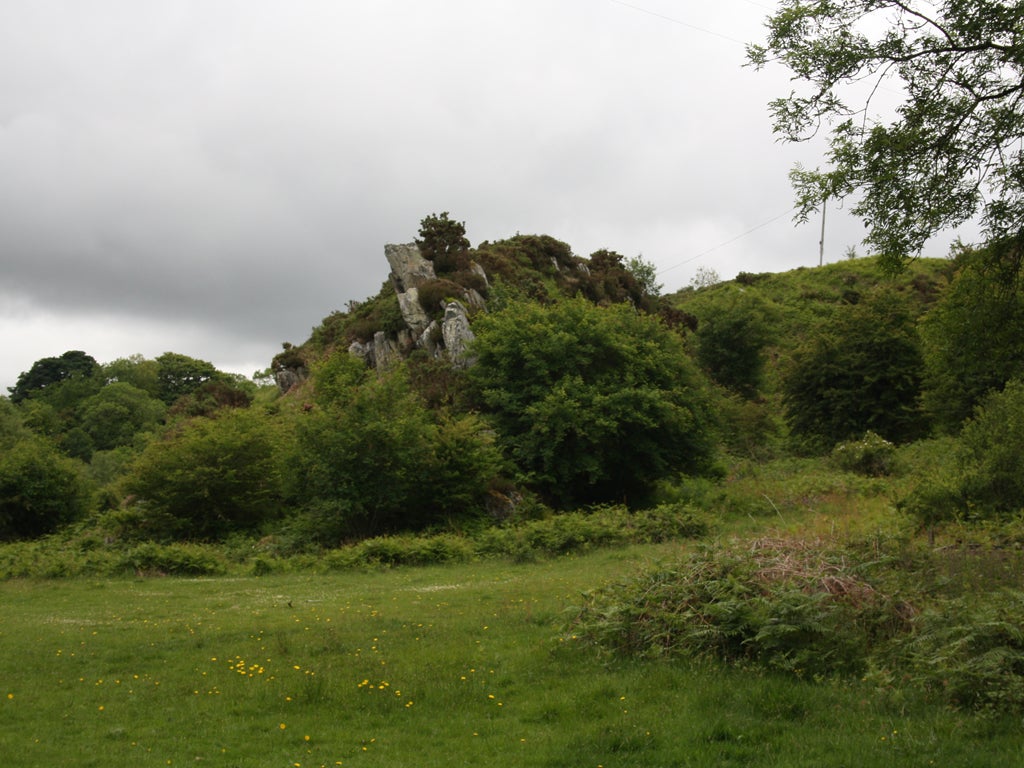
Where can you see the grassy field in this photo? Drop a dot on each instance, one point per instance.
(460, 665)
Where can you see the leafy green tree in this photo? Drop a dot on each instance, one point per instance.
(646, 275)
(40, 489)
(136, 370)
(208, 478)
(861, 372)
(951, 150)
(179, 375)
(12, 429)
(612, 281)
(443, 241)
(973, 339)
(992, 454)
(370, 458)
(117, 413)
(731, 336)
(592, 404)
(50, 371)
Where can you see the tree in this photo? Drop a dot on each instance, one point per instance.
(593, 404)
(646, 275)
(50, 371)
(731, 336)
(208, 478)
(40, 489)
(443, 241)
(992, 453)
(952, 148)
(973, 338)
(371, 459)
(117, 413)
(179, 375)
(861, 372)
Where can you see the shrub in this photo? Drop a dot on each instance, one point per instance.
(861, 372)
(150, 559)
(592, 404)
(783, 604)
(40, 489)
(973, 339)
(968, 652)
(209, 477)
(871, 455)
(992, 454)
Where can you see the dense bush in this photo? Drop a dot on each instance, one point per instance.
(992, 453)
(783, 604)
(592, 404)
(973, 339)
(968, 652)
(871, 455)
(372, 459)
(731, 336)
(40, 489)
(861, 372)
(207, 478)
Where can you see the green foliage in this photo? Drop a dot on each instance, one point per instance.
(973, 339)
(592, 404)
(372, 459)
(179, 375)
(782, 604)
(443, 241)
(560, 534)
(967, 652)
(40, 489)
(731, 338)
(381, 313)
(870, 455)
(951, 151)
(50, 371)
(645, 273)
(861, 372)
(612, 280)
(114, 415)
(207, 478)
(12, 429)
(135, 370)
(992, 453)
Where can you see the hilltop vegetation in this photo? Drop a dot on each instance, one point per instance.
(588, 388)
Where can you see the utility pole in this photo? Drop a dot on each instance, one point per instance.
(821, 242)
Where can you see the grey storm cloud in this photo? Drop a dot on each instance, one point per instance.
(215, 177)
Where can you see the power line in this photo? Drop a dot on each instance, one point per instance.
(729, 241)
(679, 22)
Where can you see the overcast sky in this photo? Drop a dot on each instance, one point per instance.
(214, 177)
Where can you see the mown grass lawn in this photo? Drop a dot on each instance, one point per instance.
(440, 666)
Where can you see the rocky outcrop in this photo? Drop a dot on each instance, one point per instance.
(409, 270)
(457, 334)
(381, 353)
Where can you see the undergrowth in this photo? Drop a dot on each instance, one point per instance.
(83, 553)
(825, 610)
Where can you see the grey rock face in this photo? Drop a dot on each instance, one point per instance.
(457, 334)
(409, 270)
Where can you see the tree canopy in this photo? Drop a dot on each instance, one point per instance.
(593, 404)
(951, 150)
